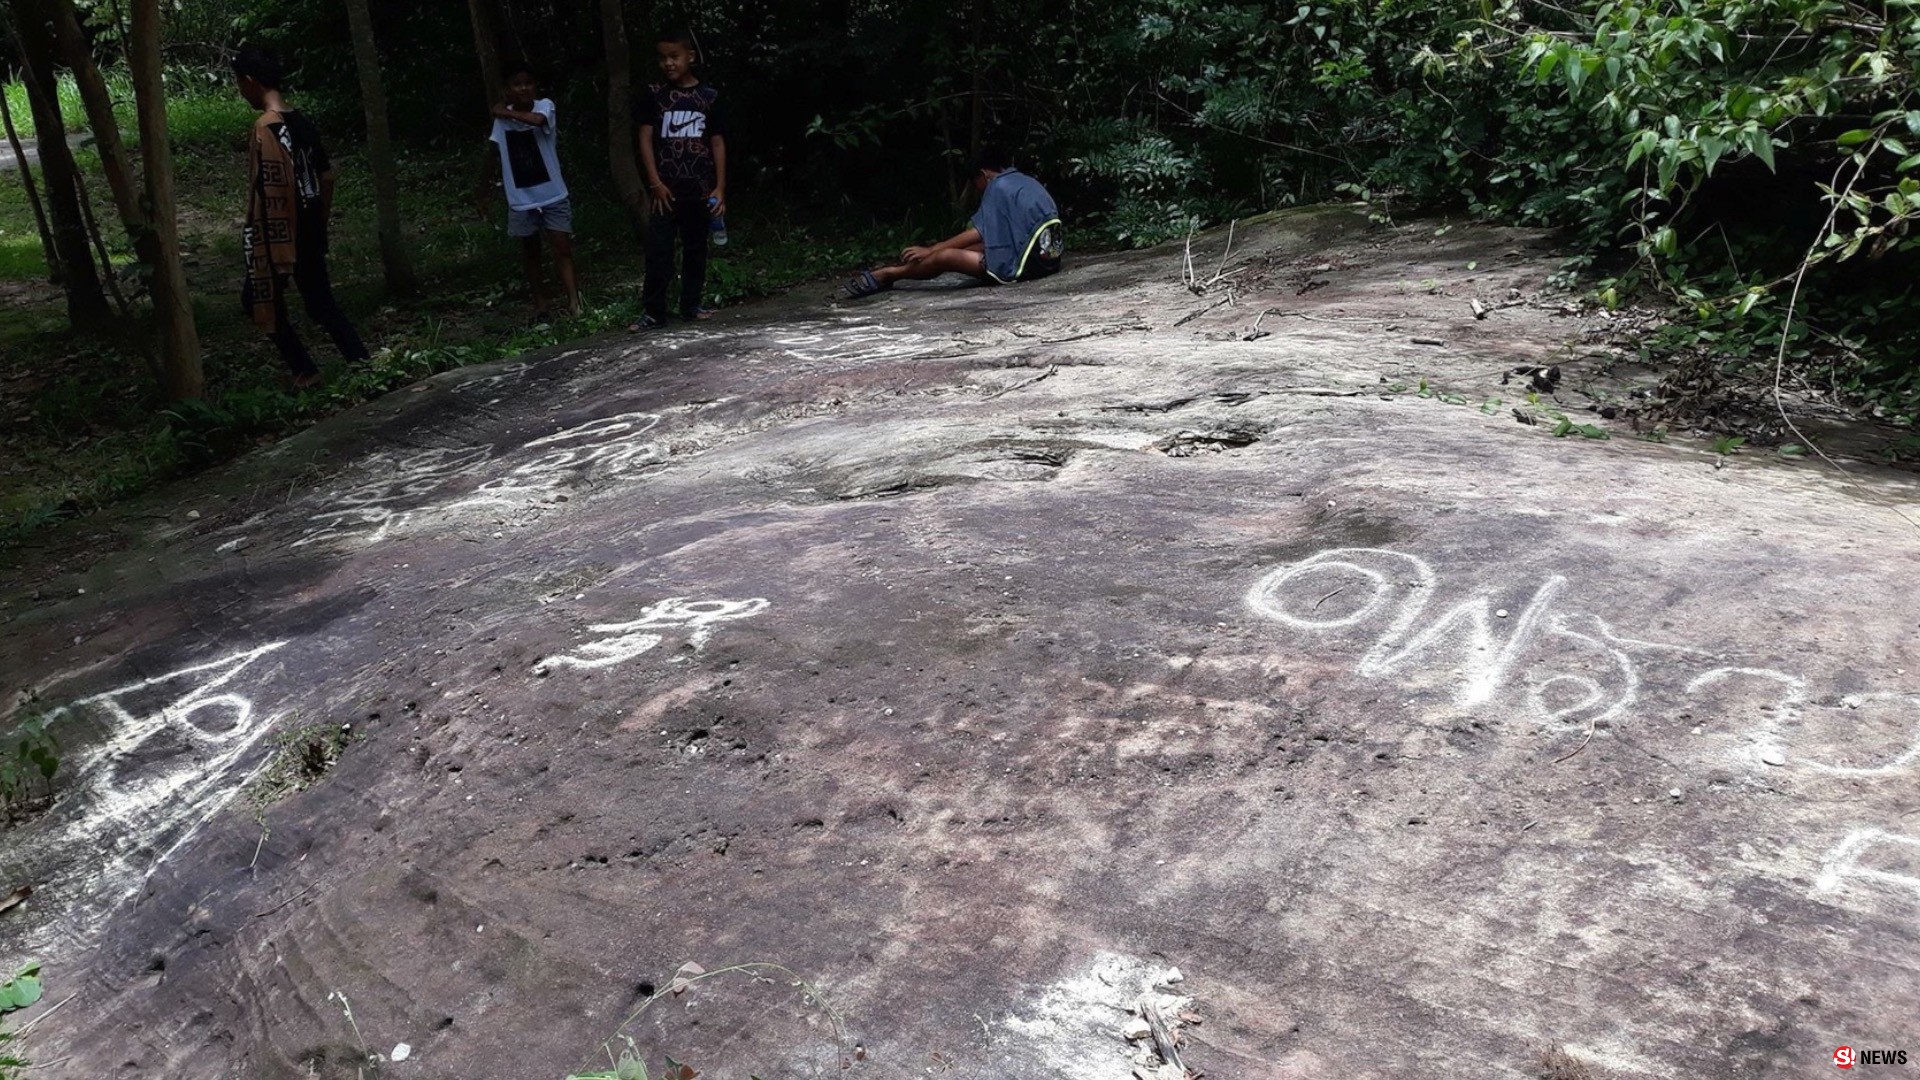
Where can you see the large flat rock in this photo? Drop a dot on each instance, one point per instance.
(979, 656)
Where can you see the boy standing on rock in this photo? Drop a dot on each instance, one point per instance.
(683, 147)
(289, 199)
(537, 198)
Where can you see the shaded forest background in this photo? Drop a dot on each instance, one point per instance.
(1747, 165)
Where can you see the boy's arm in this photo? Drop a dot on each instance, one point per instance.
(720, 175)
(969, 239)
(662, 195)
(531, 119)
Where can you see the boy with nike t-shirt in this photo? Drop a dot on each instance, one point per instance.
(683, 148)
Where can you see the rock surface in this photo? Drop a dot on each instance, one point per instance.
(979, 656)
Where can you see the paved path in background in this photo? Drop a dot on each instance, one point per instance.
(982, 656)
(9, 162)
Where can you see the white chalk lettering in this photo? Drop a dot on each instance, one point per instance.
(168, 759)
(627, 640)
(1845, 867)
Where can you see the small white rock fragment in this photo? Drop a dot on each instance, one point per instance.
(401, 1053)
(1675, 793)
(1174, 978)
(1501, 614)
(1774, 757)
(1137, 1029)
(193, 515)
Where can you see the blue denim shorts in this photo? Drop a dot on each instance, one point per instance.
(555, 218)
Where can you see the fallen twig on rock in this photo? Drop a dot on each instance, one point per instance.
(1051, 369)
(1102, 332)
(1163, 1040)
(1192, 315)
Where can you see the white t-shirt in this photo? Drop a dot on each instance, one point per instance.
(529, 164)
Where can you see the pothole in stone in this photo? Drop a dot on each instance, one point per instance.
(1192, 443)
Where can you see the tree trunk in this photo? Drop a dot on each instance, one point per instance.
(386, 187)
(106, 129)
(33, 190)
(180, 339)
(86, 303)
(977, 122)
(111, 276)
(621, 136)
(487, 35)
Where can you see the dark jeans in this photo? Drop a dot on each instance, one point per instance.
(690, 220)
(316, 288)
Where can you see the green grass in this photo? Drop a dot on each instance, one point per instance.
(203, 110)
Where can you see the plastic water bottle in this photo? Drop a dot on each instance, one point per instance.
(718, 226)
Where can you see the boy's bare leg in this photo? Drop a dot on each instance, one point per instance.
(530, 262)
(563, 266)
(969, 261)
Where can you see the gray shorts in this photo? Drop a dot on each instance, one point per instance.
(555, 218)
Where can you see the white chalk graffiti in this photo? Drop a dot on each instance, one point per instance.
(628, 640)
(505, 377)
(858, 344)
(167, 761)
(401, 487)
(1491, 655)
(371, 510)
(1769, 732)
(1842, 869)
(598, 449)
(1491, 651)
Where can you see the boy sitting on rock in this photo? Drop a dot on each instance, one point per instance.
(1016, 236)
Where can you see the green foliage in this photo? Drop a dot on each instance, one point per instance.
(20, 990)
(29, 760)
(631, 1066)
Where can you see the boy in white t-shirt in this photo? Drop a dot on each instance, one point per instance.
(537, 202)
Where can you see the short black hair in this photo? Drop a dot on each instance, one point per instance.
(992, 159)
(682, 38)
(256, 63)
(514, 71)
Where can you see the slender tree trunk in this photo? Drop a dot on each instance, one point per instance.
(107, 272)
(33, 190)
(180, 339)
(386, 186)
(621, 137)
(487, 36)
(106, 128)
(977, 123)
(86, 303)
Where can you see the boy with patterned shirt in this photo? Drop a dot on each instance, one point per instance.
(289, 200)
(683, 147)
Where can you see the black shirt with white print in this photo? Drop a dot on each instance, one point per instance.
(685, 120)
